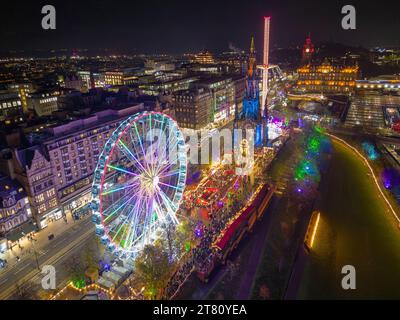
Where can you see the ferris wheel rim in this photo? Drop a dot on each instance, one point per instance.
(115, 137)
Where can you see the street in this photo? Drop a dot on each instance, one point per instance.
(53, 252)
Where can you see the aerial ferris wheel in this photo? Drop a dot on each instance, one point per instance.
(139, 181)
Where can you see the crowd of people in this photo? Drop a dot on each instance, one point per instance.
(202, 256)
(179, 278)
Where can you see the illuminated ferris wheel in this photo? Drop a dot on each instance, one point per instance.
(139, 181)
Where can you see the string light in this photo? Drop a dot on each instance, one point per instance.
(370, 169)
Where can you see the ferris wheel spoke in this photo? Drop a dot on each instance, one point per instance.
(164, 169)
(144, 225)
(121, 224)
(172, 173)
(169, 185)
(132, 156)
(135, 145)
(127, 196)
(139, 139)
(121, 170)
(122, 206)
(138, 238)
(127, 217)
(134, 218)
(160, 205)
(163, 139)
(151, 164)
(124, 187)
(169, 205)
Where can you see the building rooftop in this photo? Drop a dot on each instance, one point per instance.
(10, 188)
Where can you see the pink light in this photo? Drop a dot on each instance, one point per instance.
(265, 63)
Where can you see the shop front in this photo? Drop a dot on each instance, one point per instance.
(49, 217)
(20, 233)
(78, 205)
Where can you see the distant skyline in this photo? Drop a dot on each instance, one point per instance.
(177, 26)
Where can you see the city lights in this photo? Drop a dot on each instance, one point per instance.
(199, 151)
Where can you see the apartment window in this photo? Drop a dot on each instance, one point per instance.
(50, 193)
(42, 208)
(52, 203)
(39, 198)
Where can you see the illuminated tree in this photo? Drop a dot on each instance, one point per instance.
(153, 268)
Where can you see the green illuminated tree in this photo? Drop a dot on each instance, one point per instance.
(153, 268)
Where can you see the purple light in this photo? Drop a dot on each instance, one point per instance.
(198, 232)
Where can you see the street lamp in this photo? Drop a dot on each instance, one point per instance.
(34, 250)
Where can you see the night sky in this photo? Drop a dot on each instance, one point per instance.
(171, 26)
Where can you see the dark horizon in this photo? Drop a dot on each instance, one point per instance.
(176, 27)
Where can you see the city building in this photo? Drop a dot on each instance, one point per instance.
(236, 61)
(223, 97)
(160, 87)
(32, 169)
(74, 82)
(56, 170)
(11, 110)
(193, 108)
(380, 85)
(15, 212)
(204, 57)
(327, 78)
(374, 112)
(43, 103)
(159, 65)
(97, 80)
(376, 104)
(239, 83)
(23, 89)
(86, 78)
(113, 78)
(212, 69)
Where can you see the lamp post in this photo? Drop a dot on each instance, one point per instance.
(34, 250)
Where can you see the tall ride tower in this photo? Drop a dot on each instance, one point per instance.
(265, 66)
(251, 101)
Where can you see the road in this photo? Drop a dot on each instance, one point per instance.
(356, 228)
(54, 253)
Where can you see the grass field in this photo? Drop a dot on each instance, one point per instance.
(355, 229)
